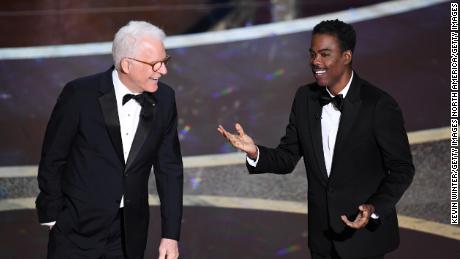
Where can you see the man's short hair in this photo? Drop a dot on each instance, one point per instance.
(127, 38)
(344, 32)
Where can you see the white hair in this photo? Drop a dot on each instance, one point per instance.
(127, 39)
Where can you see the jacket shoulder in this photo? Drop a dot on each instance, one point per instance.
(89, 81)
(373, 93)
(308, 90)
(164, 91)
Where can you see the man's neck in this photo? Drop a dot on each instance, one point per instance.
(341, 84)
(126, 82)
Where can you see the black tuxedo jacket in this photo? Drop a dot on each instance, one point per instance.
(372, 164)
(82, 173)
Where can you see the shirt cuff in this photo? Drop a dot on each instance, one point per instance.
(252, 162)
(375, 216)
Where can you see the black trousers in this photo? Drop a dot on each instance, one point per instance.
(317, 256)
(334, 255)
(59, 246)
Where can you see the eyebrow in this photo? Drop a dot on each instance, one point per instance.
(321, 50)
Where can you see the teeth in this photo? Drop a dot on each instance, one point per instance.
(319, 72)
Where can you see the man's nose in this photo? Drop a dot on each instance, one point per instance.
(163, 69)
(315, 61)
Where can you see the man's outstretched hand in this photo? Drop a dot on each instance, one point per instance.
(240, 141)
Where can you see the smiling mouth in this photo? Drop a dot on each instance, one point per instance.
(318, 72)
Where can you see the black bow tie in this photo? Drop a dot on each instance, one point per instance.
(326, 98)
(144, 98)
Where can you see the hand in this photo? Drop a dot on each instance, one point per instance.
(365, 212)
(241, 141)
(169, 249)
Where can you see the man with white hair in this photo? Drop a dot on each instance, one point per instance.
(105, 133)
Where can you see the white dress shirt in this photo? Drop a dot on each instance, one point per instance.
(330, 119)
(128, 115)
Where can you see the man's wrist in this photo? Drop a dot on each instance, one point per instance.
(252, 156)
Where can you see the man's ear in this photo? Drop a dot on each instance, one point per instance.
(125, 65)
(348, 56)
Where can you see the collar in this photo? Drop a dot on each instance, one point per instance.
(344, 90)
(120, 89)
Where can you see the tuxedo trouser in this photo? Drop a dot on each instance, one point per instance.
(59, 246)
(334, 255)
(317, 256)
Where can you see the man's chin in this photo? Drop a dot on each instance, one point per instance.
(151, 88)
(321, 83)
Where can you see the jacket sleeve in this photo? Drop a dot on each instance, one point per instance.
(169, 178)
(394, 145)
(57, 145)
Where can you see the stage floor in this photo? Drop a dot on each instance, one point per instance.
(221, 233)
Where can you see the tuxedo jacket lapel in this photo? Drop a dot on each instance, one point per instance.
(352, 105)
(314, 114)
(108, 103)
(146, 122)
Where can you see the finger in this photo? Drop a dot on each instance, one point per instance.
(221, 129)
(239, 129)
(346, 221)
(366, 214)
(162, 254)
(357, 223)
(360, 221)
(171, 254)
(224, 133)
(365, 211)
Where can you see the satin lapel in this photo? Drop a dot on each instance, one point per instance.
(349, 115)
(146, 122)
(314, 115)
(108, 103)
